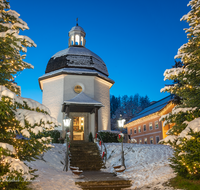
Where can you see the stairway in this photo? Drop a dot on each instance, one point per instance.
(85, 155)
(98, 180)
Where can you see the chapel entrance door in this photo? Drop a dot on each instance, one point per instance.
(78, 128)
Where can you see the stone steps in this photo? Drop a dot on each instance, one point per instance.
(102, 181)
(85, 155)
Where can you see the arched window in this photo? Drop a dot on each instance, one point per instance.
(77, 40)
(81, 40)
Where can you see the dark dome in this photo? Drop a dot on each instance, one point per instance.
(76, 57)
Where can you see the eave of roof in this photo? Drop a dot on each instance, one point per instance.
(83, 99)
(75, 71)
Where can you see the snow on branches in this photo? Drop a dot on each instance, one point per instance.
(184, 136)
(13, 45)
(21, 122)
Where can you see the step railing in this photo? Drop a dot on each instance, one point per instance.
(102, 148)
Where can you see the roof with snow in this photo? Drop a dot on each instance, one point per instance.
(83, 99)
(76, 71)
(155, 107)
(76, 57)
(77, 28)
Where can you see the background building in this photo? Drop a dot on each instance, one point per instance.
(145, 127)
(76, 80)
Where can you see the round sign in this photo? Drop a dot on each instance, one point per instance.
(77, 89)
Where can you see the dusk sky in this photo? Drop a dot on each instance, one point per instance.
(136, 39)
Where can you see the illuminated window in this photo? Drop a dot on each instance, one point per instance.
(135, 130)
(150, 126)
(144, 127)
(156, 125)
(151, 140)
(81, 40)
(157, 139)
(140, 141)
(77, 40)
(139, 129)
(145, 140)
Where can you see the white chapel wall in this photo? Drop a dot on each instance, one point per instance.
(102, 94)
(70, 81)
(53, 96)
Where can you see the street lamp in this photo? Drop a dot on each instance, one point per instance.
(66, 122)
(121, 125)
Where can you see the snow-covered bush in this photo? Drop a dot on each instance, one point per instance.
(184, 136)
(21, 119)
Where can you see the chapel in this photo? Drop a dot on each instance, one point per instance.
(76, 82)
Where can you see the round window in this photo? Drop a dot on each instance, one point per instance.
(78, 89)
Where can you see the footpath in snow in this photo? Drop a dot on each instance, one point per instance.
(145, 165)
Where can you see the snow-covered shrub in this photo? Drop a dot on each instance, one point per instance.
(19, 128)
(133, 140)
(54, 134)
(184, 136)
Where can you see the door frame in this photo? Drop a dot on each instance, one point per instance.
(86, 123)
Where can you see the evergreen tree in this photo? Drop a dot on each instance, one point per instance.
(184, 136)
(21, 119)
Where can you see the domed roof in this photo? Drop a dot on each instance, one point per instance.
(76, 57)
(76, 28)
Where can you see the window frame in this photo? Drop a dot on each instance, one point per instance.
(140, 129)
(149, 126)
(141, 141)
(131, 131)
(143, 127)
(155, 125)
(146, 140)
(156, 139)
(135, 130)
(150, 140)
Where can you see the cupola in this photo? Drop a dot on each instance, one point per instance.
(77, 36)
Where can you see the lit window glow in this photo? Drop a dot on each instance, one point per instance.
(77, 40)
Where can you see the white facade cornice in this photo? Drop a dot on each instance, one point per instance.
(42, 81)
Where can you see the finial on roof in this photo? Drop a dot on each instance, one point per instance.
(76, 21)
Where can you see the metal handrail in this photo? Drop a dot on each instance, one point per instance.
(102, 143)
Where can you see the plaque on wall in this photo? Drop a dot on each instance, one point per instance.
(77, 89)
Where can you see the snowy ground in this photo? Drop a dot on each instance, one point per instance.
(146, 165)
(51, 174)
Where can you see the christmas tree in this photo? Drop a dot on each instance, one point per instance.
(22, 120)
(184, 136)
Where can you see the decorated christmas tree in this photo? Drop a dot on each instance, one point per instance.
(21, 119)
(184, 136)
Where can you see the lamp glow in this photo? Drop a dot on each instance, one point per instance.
(66, 121)
(121, 121)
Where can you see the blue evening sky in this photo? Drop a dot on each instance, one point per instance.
(136, 39)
